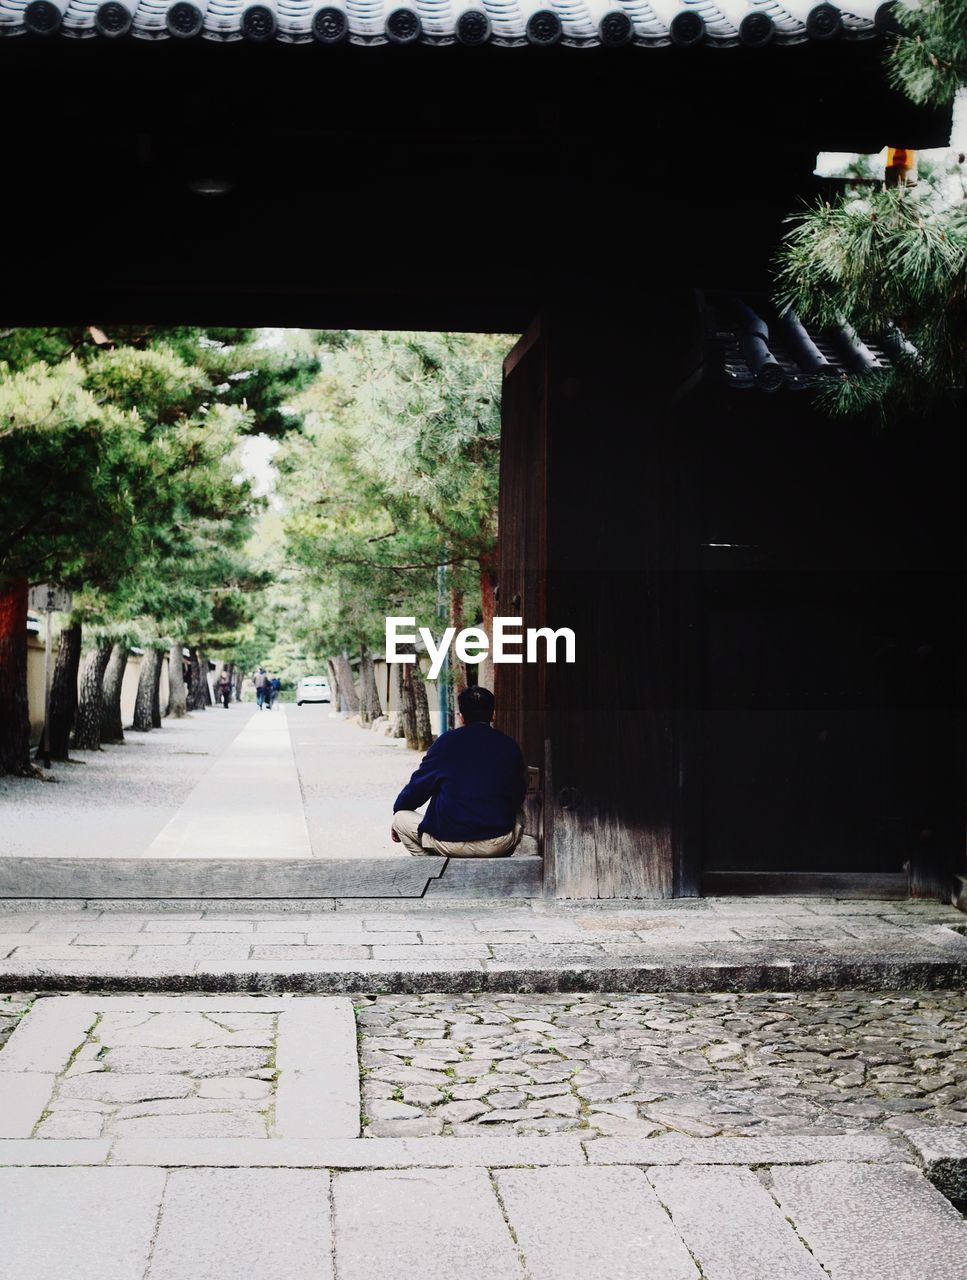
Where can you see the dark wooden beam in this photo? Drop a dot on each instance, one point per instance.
(803, 884)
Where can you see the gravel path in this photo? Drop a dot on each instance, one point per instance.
(114, 802)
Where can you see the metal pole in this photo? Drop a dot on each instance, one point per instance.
(442, 610)
(45, 744)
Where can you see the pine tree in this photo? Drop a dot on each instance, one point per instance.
(396, 472)
(116, 464)
(893, 261)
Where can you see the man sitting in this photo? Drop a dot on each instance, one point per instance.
(474, 778)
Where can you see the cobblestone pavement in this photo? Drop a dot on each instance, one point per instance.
(640, 1065)
(12, 1009)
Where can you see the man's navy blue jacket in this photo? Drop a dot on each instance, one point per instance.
(474, 779)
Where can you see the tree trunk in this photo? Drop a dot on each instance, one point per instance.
(196, 696)
(156, 691)
(370, 707)
(458, 669)
(63, 692)
(424, 730)
(335, 693)
(239, 675)
(112, 730)
(408, 700)
(347, 686)
(90, 702)
(396, 703)
(14, 711)
(414, 708)
(485, 669)
(177, 692)
(147, 683)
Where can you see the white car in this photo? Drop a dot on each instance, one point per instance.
(312, 689)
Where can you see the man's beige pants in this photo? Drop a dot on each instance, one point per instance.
(406, 822)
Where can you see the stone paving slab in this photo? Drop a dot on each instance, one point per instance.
(869, 1223)
(345, 945)
(844, 1221)
(259, 1223)
(28, 1153)
(23, 1097)
(45, 1039)
(592, 1224)
(259, 813)
(422, 1225)
(340, 1153)
(732, 1225)
(85, 1224)
(318, 1088)
(674, 1149)
(444, 1153)
(90, 1067)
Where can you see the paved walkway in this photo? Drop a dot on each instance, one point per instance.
(281, 1186)
(709, 944)
(637, 1119)
(249, 804)
(290, 783)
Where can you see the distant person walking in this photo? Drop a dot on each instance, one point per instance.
(225, 689)
(275, 684)
(261, 687)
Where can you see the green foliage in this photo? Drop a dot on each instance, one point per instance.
(893, 262)
(928, 61)
(72, 474)
(396, 471)
(891, 257)
(120, 477)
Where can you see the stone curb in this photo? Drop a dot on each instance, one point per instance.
(942, 1154)
(828, 973)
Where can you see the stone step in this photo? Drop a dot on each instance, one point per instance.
(213, 878)
(942, 1154)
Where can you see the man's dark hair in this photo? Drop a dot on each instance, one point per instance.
(476, 705)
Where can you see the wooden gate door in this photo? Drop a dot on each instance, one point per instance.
(522, 553)
(586, 543)
(832, 638)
